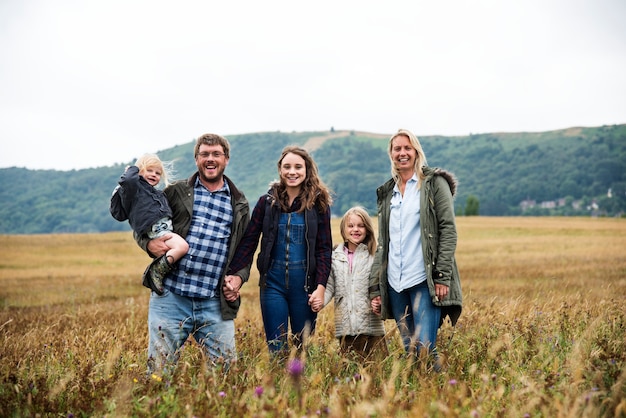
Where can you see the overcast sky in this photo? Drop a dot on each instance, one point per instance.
(92, 83)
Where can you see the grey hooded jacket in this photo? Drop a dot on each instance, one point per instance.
(439, 237)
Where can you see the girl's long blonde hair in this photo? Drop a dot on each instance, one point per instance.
(370, 238)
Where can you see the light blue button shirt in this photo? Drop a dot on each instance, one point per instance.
(406, 260)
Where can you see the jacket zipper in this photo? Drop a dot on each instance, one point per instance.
(308, 262)
(287, 241)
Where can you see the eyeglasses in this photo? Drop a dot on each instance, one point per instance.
(214, 154)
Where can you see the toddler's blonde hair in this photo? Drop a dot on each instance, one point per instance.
(152, 160)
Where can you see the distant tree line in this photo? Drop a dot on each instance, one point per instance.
(573, 172)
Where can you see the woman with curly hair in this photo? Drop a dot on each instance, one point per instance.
(293, 218)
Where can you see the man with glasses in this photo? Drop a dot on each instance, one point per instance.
(212, 214)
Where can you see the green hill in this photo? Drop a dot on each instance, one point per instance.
(576, 171)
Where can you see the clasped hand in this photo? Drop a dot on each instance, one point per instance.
(232, 285)
(375, 302)
(316, 299)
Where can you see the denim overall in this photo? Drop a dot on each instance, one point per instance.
(283, 299)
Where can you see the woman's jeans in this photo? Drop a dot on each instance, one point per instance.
(416, 316)
(172, 318)
(284, 300)
(283, 304)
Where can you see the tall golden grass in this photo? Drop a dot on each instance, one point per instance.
(542, 334)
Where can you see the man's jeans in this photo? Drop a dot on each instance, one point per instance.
(172, 318)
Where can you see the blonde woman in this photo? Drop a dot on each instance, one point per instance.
(414, 277)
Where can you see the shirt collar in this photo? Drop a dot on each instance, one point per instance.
(412, 180)
(223, 189)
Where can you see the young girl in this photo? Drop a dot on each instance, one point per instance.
(358, 329)
(137, 200)
(294, 258)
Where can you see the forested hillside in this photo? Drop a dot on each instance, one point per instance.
(576, 171)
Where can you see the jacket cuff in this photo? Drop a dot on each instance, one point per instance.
(244, 273)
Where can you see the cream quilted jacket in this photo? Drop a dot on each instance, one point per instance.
(353, 314)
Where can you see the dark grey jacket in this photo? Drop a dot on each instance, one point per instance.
(136, 200)
(439, 237)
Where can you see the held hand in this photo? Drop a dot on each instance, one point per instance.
(232, 285)
(376, 305)
(441, 291)
(157, 246)
(316, 299)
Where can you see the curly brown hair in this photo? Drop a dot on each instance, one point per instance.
(313, 190)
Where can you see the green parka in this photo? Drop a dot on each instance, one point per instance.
(439, 237)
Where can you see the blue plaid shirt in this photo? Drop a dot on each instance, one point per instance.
(199, 271)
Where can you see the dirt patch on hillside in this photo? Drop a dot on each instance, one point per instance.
(317, 141)
(572, 132)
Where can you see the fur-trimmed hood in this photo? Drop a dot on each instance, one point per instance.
(450, 177)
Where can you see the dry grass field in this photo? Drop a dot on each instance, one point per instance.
(542, 334)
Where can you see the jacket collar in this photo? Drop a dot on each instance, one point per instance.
(234, 191)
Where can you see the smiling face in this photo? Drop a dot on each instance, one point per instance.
(211, 162)
(292, 171)
(403, 154)
(354, 231)
(152, 175)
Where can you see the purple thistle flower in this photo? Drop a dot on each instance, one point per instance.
(295, 367)
(222, 394)
(452, 382)
(258, 391)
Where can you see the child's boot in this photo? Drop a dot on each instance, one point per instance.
(155, 274)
